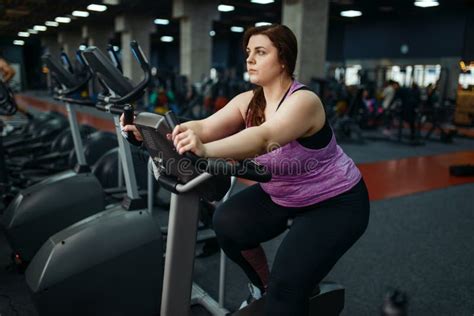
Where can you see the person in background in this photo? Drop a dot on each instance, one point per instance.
(6, 71)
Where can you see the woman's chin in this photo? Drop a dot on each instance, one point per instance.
(254, 80)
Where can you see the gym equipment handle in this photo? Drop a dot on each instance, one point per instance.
(114, 58)
(247, 168)
(140, 88)
(128, 120)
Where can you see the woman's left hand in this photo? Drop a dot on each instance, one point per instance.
(184, 139)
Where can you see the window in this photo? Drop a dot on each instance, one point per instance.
(466, 79)
(352, 75)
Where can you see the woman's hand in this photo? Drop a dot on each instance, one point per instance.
(130, 128)
(184, 139)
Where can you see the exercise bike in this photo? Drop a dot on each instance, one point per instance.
(112, 263)
(60, 200)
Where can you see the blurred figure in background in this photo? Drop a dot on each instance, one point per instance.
(6, 71)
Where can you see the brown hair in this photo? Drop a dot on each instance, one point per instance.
(285, 42)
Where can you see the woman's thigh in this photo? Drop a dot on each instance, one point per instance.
(250, 217)
(316, 241)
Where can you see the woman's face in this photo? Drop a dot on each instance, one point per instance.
(263, 64)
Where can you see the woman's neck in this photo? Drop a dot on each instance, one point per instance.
(275, 90)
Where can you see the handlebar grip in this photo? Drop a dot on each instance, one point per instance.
(113, 56)
(171, 119)
(80, 58)
(128, 120)
(254, 171)
(128, 115)
(66, 62)
(139, 55)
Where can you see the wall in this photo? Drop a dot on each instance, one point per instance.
(426, 38)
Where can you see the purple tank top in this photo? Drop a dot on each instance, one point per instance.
(303, 176)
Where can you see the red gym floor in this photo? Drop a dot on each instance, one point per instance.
(25, 101)
(384, 179)
(393, 178)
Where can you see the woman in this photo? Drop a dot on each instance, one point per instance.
(314, 183)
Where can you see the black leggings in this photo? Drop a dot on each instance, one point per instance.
(319, 236)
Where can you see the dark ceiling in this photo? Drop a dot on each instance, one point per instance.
(20, 15)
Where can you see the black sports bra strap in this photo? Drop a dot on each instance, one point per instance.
(283, 99)
(302, 88)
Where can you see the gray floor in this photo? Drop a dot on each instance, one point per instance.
(421, 244)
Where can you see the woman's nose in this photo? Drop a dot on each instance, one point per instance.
(250, 59)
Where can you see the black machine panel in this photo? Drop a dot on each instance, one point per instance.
(103, 68)
(62, 74)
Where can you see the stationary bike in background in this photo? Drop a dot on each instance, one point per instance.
(45, 208)
(8, 107)
(108, 263)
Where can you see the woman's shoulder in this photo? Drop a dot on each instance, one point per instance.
(305, 94)
(245, 95)
(243, 99)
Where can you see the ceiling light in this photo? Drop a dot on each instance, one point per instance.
(62, 19)
(262, 1)
(23, 34)
(262, 23)
(41, 28)
(96, 7)
(162, 21)
(18, 42)
(116, 48)
(212, 33)
(31, 31)
(167, 39)
(82, 14)
(225, 8)
(426, 3)
(237, 29)
(51, 23)
(351, 13)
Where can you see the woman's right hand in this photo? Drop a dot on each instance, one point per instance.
(130, 128)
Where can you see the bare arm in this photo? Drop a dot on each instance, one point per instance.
(227, 121)
(300, 115)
